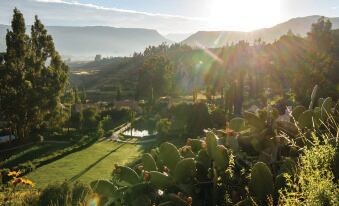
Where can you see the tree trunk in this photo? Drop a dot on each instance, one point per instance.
(239, 95)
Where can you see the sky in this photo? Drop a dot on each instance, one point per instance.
(169, 16)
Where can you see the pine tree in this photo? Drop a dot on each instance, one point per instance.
(33, 77)
(13, 81)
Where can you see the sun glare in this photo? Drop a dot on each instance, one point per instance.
(243, 15)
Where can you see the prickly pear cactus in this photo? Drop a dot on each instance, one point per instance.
(314, 97)
(326, 108)
(160, 180)
(306, 119)
(138, 194)
(261, 183)
(237, 124)
(186, 152)
(222, 157)
(169, 155)
(254, 121)
(212, 143)
(317, 118)
(195, 144)
(204, 159)
(287, 127)
(103, 187)
(298, 110)
(149, 162)
(126, 176)
(184, 170)
(176, 200)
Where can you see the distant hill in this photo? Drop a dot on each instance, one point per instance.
(86, 42)
(178, 37)
(215, 39)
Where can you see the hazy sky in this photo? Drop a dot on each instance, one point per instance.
(169, 16)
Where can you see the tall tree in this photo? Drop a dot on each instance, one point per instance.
(156, 77)
(33, 79)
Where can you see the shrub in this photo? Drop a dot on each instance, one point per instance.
(163, 127)
(218, 118)
(90, 119)
(56, 194)
(314, 184)
(80, 193)
(64, 194)
(199, 119)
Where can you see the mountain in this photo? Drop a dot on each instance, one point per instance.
(86, 42)
(215, 39)
(178, 37)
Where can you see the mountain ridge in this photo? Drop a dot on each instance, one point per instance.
(87, 41)
(213, 39)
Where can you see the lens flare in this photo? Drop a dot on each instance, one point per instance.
(243, 15)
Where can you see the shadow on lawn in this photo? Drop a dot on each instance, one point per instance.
(75, 177)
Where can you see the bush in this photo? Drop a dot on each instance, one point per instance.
(90, 119)
(314, 184)
(107, 123)
(192, 118)
(64, 194)
(218, 118)
(80, 193)
(199, 119)
(163, 127)
(56, 194)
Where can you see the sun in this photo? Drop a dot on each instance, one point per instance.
(243, 15)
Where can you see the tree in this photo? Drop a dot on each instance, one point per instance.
(321, 59)
(118, 97)
(33, 76)
(320, 35)
(90, 119)
(155, 77)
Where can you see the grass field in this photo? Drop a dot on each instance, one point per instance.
(94, 162)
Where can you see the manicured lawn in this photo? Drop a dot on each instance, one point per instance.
(33, 152)
(94, 162)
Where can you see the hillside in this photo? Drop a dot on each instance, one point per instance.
(86, 42)
(178, 37)
(215, 39)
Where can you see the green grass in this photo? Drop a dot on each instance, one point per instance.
(31, 153)
(92, 163)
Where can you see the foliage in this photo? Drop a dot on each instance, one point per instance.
(33, 76)
(176, 172)
(198, 119)
(90, 119)
(314, 184)
(163, 127)
(261, 184)
(155, 78)
(64, 194)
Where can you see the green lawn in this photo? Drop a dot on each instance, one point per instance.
(94, 162)
(31, 153)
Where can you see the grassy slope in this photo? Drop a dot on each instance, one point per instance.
(95, 162)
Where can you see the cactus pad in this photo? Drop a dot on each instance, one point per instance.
(169, 155)
(261, 183)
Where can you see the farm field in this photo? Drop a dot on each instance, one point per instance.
(94, 162)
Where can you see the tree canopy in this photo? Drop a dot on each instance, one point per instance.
(33, 76)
